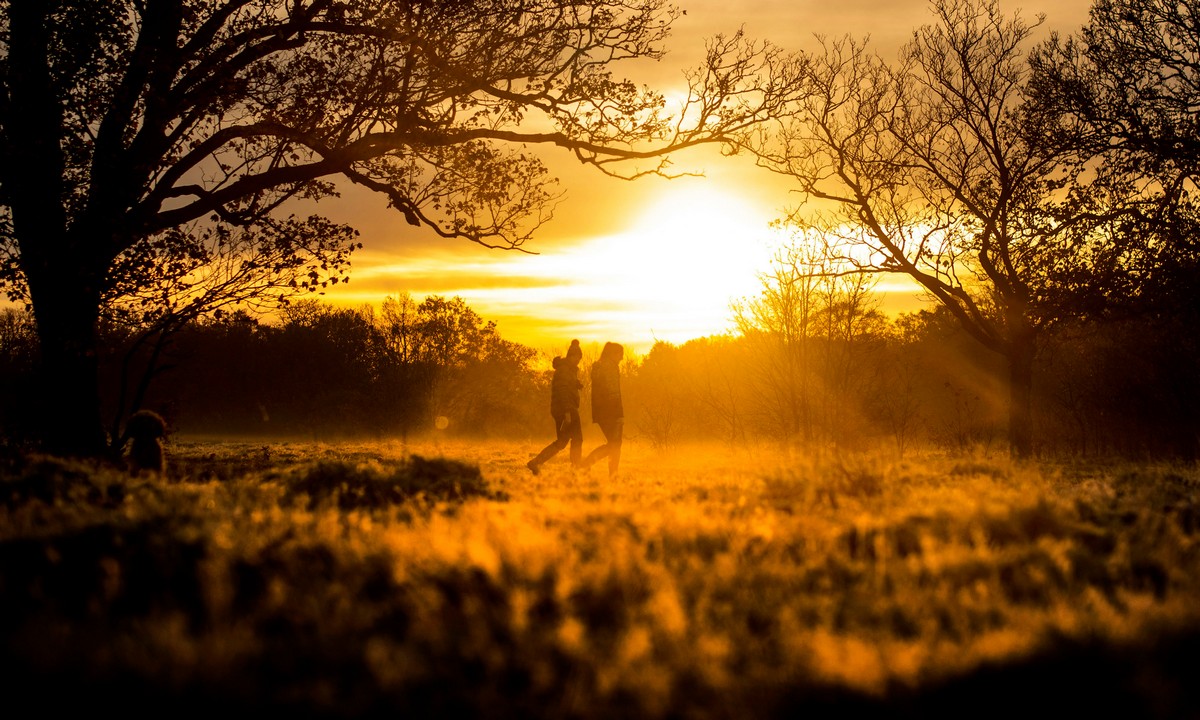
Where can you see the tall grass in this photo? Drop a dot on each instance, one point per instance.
(338, 581)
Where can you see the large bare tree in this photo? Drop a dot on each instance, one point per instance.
(931, 166)
(129, 125)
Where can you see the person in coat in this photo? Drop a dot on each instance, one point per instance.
(607, 411)
(564, 408)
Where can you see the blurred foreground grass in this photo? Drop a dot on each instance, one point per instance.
(446, 581)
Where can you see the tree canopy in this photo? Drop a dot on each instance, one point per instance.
(1127, 86)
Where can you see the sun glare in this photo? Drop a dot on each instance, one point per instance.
(685, 257)
(699, 242)
(671, 275)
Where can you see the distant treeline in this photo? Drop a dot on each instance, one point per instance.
(850, 377)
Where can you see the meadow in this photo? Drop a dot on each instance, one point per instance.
(444, 580)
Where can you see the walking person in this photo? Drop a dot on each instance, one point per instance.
(607, 411)
(564, 408)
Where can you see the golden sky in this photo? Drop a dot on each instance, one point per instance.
(652, 259)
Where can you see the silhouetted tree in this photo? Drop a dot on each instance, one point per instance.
(1128, 86)
(400, 326)
(329, 390)
(1131, 79)
(898, 399)
(932, 167)
(449, 331)
(656, 396)
(778, 324)
(1126, 387)
(320, 371)
(478, 376)
(18, 346)
(694, 391)
(131, 124)
(807, 328)
(719, 382)
(405, 379)
(174, 278)
(224, 378)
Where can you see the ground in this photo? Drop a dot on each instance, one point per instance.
(336, 580)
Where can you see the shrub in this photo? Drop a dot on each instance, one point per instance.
(349, 486)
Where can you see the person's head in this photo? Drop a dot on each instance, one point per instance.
(612, 352)
(574, 353)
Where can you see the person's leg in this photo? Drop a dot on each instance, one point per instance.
(562, 437)
(604, 450)
(575, 429)
(598, 453)
(613, 434)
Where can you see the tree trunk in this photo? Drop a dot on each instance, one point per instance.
(1020, 411)
(64, 288)
(69, 419)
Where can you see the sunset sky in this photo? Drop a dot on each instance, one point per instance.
(652, 259)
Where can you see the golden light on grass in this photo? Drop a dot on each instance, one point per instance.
(656, 595)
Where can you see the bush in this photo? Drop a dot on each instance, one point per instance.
(350, 486)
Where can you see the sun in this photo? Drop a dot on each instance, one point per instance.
(686, 255)
(683, 256)
(701, 240)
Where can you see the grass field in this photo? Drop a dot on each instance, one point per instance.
(443, 580)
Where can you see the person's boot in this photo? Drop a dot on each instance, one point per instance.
(533, 466)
